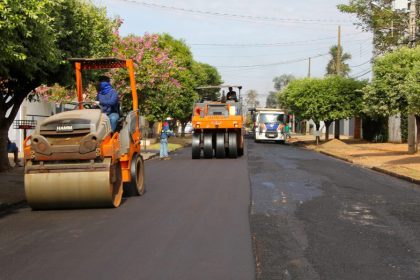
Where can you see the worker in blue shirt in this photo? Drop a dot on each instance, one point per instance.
(109, 101)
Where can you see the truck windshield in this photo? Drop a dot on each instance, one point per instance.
(271, 118)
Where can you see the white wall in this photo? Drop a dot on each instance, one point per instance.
(394, 129)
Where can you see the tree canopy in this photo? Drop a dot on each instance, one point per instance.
(394, 87)
(327, 99)
(271, 101)
(389, 27)
(251, 99)
(37, 37)
(282, 81)
(206, 75)
(331, 68)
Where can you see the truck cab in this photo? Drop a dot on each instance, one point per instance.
(269, 125)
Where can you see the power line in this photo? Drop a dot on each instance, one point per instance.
(364, 63)
(238, 16)
(259, 44)
(274, 44)
(361, 74)
(270, 64)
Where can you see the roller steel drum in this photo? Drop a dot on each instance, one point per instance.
(67, 188)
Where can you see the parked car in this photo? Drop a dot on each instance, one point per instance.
(188, 129)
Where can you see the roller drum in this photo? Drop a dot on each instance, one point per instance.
(68, 188)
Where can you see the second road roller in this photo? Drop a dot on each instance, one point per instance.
(74, 160)
(218, 125)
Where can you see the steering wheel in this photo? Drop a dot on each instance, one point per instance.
(91, 105)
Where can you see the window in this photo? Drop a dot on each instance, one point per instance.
(271, 117)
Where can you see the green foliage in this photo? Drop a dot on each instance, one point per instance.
(82, 30)
(156, 76)
(282, 81)
(251, 99)
(271, 101)
(207, 75)
(37, 37)
(327, 99)
(166, 76)
(28, 38)
(395, 85)
(331, 68)
(389, 27)
(375, 129)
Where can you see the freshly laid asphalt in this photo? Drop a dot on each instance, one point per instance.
(192, 223)
(315, 217)
(304, 215)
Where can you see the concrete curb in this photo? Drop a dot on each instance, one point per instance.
(399, 176)
(335, 156)
(375, 168)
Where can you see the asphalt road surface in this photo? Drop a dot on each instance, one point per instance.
(192, 223)
(315, 217)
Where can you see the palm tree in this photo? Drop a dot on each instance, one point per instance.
(332, 64)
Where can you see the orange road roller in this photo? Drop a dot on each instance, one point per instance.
(218, 126)
(74, 160)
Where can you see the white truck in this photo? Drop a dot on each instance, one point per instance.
(269, 124)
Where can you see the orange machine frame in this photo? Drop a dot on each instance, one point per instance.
(215, 122)
(111, 145)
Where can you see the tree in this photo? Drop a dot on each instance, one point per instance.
(166, 75)
(37, 36)
(282, 81)
(251, 99)
(271, 101)
(207, 75)
(326, 99)
(395, 85)
(389, 27)
(181, 53)
(332, 64)
(156, 76)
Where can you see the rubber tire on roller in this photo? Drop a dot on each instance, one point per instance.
(241, 150)
(220, 145)
(196, 149)
(136, 186)
(233, 145)
(208, 145)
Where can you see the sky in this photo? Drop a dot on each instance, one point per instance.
(250, 42)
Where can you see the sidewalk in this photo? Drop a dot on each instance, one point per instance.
(389, 158)
(12, 187)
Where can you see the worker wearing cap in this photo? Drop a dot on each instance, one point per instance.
(164, 135)
(109, 101)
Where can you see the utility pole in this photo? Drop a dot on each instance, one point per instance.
(413, 26)
(412, 147)
(338, 68)
(338, 60)
(309, 67)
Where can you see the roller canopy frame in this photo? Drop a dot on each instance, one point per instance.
(103, 63)
(222, 86)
